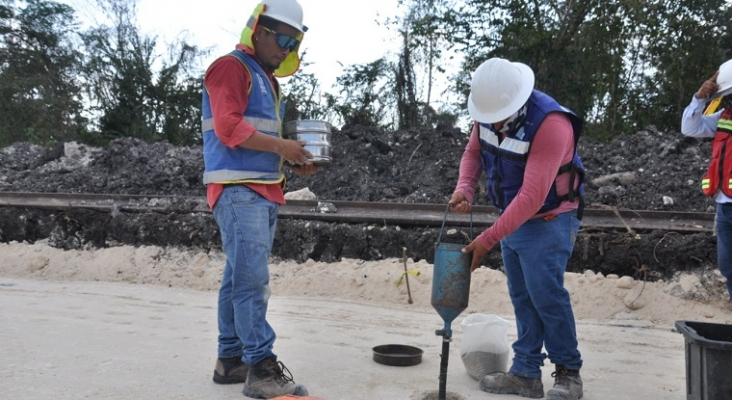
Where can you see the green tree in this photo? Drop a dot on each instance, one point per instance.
(423, 36)
(620, 64)
(41, 100)
(303, 97)
(405, 88)
(427, 22)
(558, 39)
(687, 41)
(365, 95)
(131, 94)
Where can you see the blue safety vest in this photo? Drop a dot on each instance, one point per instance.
(505, 161)
(264, 111)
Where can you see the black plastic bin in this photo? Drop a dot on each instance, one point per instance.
(708, 360)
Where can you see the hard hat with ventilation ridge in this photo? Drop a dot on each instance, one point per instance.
(285, 11)
(499, 89)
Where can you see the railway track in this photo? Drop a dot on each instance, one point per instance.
(384, 213)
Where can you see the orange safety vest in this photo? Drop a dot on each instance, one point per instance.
(719, 173)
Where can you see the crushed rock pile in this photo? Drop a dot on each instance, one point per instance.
(649, 170)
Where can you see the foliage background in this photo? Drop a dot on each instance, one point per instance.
(622, 65)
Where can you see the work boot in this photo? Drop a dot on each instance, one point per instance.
(230, 370)
(508, 383)
(567, 385)
(270, 378)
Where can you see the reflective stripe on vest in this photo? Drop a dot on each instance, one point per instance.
(725, 125)
(511, 149)
(260, 124)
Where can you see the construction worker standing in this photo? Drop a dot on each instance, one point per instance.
(244, 153)
(716, 123)
(526, 143)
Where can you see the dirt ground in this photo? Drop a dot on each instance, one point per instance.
(128, 323)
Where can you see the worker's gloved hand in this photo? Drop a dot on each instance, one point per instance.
(708, 88)
(478, 253)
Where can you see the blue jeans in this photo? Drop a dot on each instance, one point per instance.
(724, 242)
(535, 257)
(247, 223)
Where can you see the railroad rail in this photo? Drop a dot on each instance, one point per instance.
(384, 213)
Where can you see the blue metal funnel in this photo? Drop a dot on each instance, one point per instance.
(450, 283)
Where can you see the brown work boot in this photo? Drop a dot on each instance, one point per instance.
(567, 385)
(230, 370)
(270, 378)
(508, 383)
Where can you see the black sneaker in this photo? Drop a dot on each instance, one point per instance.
(270, 378)
(567, 385)
(508, 383)
(230, 370)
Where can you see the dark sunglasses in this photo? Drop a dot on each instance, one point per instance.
(286, 42)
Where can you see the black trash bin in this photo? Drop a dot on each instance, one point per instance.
(708, 360)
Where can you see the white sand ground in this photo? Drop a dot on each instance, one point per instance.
(140, 323)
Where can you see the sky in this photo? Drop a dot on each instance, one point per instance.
(342, 31)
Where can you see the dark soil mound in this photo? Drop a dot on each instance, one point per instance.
(649, 170)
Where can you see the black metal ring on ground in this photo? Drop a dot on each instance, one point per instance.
(398, 355)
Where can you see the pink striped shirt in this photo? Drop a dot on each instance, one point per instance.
(552, 147)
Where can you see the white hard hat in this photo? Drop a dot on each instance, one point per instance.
(285, 11)
(499, 89)
(724, 79)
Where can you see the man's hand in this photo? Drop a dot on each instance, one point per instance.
(459, 203)
(708, 88)
(303, 170)
(294, 152)
(478, 253)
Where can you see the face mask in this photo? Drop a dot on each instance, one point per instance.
(514, 122)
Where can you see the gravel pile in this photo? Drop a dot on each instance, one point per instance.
(649, 170)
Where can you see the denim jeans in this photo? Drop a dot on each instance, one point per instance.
(724, 242)
(535, 257)
(247, 223)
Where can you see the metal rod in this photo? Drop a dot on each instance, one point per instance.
(406, 273)
(443, 368)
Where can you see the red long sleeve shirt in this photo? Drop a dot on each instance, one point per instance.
(552, 147)
(227, 82)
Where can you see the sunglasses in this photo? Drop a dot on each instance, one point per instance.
(286, 42)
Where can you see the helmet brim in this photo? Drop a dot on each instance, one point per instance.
(299, 27)
(523, 95)
(723, 91)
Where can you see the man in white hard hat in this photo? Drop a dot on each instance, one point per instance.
(243, 153)
(526, 143)
(717, 182)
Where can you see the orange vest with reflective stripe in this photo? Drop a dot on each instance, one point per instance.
(719, 173)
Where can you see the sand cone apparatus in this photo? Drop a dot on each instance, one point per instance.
(450, 291)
